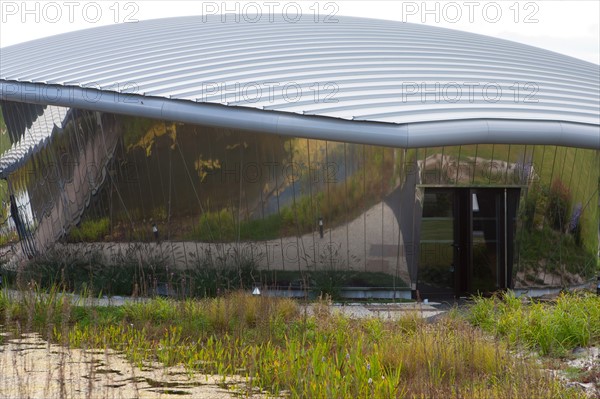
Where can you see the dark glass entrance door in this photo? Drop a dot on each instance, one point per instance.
(438, 246)
(466, 241)
(486, 233)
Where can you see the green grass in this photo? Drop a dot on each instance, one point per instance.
(221, 226)
(90, 231)
(556, 250)
(274, 344)
(437, 229)
(552, 329)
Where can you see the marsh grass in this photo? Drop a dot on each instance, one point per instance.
(287, 349)
(570, 321)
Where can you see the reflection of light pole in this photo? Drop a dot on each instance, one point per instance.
(155, 231)
(321, 226)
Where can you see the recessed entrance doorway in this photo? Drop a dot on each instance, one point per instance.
(466, 241)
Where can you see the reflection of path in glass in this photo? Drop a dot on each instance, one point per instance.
(368, 243)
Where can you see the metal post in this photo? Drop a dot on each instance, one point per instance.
(505, 239)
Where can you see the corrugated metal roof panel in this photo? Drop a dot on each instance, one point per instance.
(370, 63)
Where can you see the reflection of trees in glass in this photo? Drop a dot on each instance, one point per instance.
(214, 184)
(150, 135)
(205, 166)
(178, 169)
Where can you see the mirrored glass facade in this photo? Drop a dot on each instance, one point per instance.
(442, 220)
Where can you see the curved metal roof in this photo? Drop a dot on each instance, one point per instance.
(386, 72)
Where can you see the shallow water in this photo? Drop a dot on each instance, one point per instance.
(33, 368)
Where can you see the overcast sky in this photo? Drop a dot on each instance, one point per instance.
(567, 27)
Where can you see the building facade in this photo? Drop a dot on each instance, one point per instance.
(406, 182)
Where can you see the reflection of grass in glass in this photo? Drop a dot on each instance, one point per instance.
(436, 258)
(543, 242)
(580, 178)
(436, 254)
(215, 226)
(436, 275)
(484, 267)
(302, 215)
(299, 217)
(437, 229)
(555, 250)
(261, 229)
(90, 230)
(221, 226)
(9, 237)
(138, 270)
